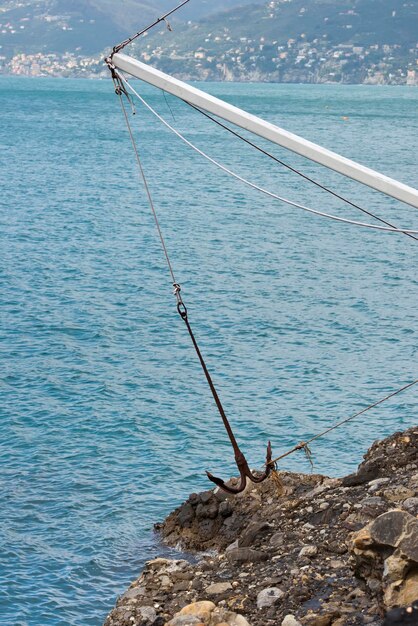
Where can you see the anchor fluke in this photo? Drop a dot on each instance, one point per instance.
(245, 472)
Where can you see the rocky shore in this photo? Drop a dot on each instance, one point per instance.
(298, 550)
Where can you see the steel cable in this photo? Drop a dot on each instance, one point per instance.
(257, 187)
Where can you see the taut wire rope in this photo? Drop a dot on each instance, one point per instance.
(303, 445)
(147, 189)
(287, 166)
(182, 310)
(253, 185)
(271, 464)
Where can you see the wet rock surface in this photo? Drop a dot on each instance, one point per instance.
(303, 551)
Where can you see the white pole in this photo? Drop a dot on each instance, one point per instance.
(269, 131)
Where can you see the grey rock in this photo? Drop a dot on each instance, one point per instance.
(372, 501)
(201, 511)
(365, 474)
(212, 511)
(388, 528)
(245, 555)
(194, 499)
(186, 515)
(309, 551)
(409, 544)
(290, 620)
(207, 529)
(148, 614)
(411, 505)
(232, 546)
(277, 540)
(133, 594)
(208, 511)
(375, 485)
(225, 509)
(253, 531)
(218, 588)
(269, 597)
(206, 496)
(395, 566)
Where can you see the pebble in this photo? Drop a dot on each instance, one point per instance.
(277, 540)
(202, 610)
(148, 614)
(218, 588)
(290, 620)
(309, 551)
(245, 555)
(269, 597)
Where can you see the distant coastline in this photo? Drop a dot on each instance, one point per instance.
(69, 65)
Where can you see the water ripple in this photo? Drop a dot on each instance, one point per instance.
(107, 423)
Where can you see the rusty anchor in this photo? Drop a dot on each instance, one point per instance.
(243, 468)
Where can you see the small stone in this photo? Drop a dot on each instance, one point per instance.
(158, 563)
(375, 485)
(290, 620)
(133, 594)
(277, 540)
(225, 509)
(395, 566)
(206, 496)
(148, 614)
(212, 511)
(194, 499)
(186, 515)
(245, 555)
(202, 610)
(362, 539)
(398, 494)
(269, 597)
(238, 620)
(253, 532)
(232, 546)
(218, 588)
(411, 505)
(308, 551)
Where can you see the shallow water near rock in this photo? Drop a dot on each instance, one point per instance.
(107, 423)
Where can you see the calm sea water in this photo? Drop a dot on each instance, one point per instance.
(106, 421)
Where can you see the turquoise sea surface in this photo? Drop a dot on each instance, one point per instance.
(106, 420)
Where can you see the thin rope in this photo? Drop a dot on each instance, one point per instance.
(147, 189)
(177, 289)
(292, 169)
(253, 185)
(303, 445)
(163, 18)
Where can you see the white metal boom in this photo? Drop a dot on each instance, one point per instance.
(269, 131)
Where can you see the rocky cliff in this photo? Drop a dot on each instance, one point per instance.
(298, 550)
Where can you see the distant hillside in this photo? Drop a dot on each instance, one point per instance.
(294, 40)
(279, 40)
(86, 26)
